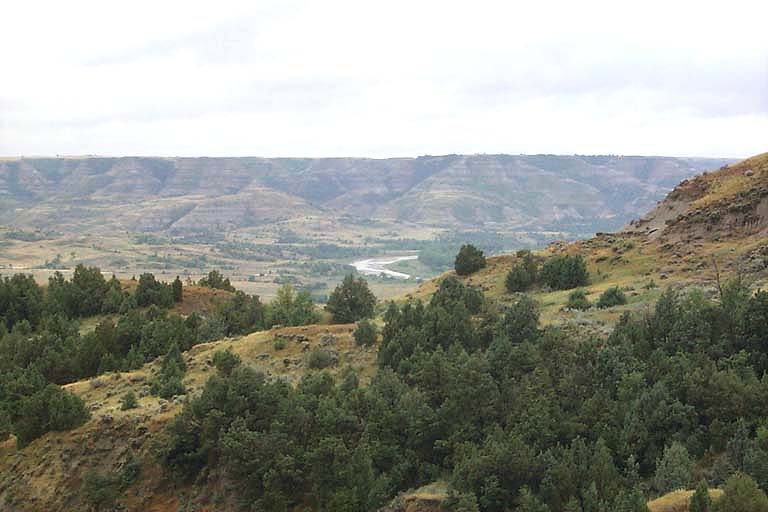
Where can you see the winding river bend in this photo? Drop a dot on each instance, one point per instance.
(377, 266)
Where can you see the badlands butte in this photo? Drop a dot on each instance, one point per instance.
(190, 215)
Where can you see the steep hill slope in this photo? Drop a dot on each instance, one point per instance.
(713, 226)
(726, 204)
(52, 473)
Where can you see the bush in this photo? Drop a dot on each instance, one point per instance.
(100, 490)
(564, 272)
(611, 297)
(365, 333)
(578, 300)
(351, 301)
(279, 343)
(168, 387)
(214, 279)
(469, 259)
(168, 384)
(128, 401)
(225, 361)
(518, 279)
(319, 359)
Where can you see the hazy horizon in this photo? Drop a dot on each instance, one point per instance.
(361, 157)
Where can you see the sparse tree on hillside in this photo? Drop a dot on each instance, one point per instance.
(214, 279)
(351, 301)
(128, 401)
(578, 300)
(292, 308)
(226, 361)
(523, 274)
(178, 293)
(564, 272)
(613, 296)
(518, 280)
(168, 384)
(469, 259)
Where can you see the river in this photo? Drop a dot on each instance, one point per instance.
(377, 266)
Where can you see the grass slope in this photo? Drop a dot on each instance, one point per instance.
(50, 472)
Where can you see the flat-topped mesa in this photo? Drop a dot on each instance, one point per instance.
(576, 194)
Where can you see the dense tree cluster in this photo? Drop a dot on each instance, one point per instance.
(510, 414)
(560, 272)
(150, 292)
(168, 383)
(565, 271)
(41, 342)
(291, 307)
(214, 279)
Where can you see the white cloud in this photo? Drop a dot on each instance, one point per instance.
(338, 78)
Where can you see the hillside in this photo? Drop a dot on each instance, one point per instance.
(731, 203)
(716, 222)
(569, 390)
(50, 474)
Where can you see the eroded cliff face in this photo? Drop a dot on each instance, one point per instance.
(726, 204)
(182, 195)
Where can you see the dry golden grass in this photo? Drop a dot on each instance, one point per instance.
(200, 299)
(103, 393)
(677, 501)
(638, 265)
(733, 180)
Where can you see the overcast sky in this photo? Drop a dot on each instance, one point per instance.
(383, 78)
